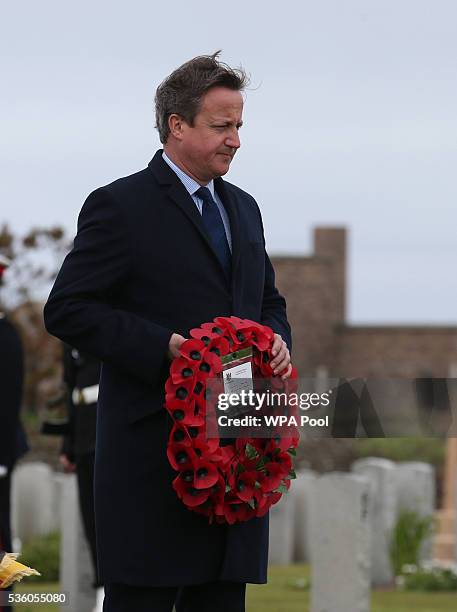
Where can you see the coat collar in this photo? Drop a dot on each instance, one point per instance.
(180, 196)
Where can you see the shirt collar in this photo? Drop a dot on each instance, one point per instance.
(189, 183)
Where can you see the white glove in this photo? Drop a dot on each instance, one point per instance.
(3, 471)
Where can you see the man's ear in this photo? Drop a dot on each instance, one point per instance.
(176, 125)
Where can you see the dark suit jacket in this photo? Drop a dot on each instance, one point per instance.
(142, 267)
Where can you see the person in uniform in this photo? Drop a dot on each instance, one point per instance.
(81, 376)
(13, 443)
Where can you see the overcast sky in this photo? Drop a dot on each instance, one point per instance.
(350, 120)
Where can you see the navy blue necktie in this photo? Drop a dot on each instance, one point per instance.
(214, 225)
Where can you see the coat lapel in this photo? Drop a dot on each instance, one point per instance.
(180, 196)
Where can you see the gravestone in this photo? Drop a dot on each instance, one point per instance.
(33, 500)
(340, 524)
(281, 533)
(76, 573)
(301, 490)
(383, 498)
(416, 492)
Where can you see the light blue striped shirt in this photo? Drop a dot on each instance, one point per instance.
(192, 186)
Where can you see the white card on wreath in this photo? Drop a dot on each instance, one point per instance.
(237, 371)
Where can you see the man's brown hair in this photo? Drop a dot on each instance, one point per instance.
(182, 91)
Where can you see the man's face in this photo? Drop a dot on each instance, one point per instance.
(207, 148)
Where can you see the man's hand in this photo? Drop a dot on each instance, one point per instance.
(68, 466)
(281, 356)
(174, 345)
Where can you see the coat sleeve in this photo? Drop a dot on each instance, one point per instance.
(274, 306)
(273, 303)
(82, 309)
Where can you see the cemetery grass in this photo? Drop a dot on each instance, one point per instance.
(285, 592)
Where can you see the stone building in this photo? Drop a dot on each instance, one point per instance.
(315, 288)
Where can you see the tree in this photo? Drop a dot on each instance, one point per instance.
(36, 258)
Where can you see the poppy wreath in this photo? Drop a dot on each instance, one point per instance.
(234, 482)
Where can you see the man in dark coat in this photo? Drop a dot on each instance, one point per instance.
(158, 253)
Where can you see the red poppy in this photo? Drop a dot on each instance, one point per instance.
(188, 493)
(182, 370)
(235, 335)
(234, 322)
(236, 510)
(186, 413)
(224, 455)
(202, 334)
(262, 339)
(244, 485)
(205, 447)
(219, 345)
(178, 391)
(285, 461)
(213, 328)
(266, 501)
(181, 456)
(205, 474)
(218, 490)
(180, 434)
(193, 350)
(209, 367)
(271, 477)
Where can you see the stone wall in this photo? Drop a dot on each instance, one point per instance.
(315, 290)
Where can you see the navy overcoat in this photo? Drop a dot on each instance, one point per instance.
(142, 267)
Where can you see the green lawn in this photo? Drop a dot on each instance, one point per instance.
(284, 593)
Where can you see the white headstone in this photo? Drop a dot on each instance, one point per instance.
(383, 498)
(281, 542)
(416, 492)
(76, 573)
(340, 523)
(33, 500)
(301, 491)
